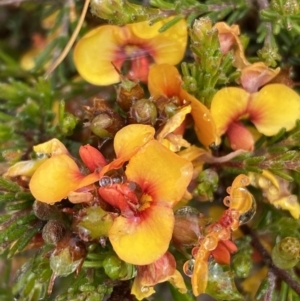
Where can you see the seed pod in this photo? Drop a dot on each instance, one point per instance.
(45, 211)
(53, 232)
(286, 253)
(143, 111)
(127, 93)
(106, 124)
(187, 227)
(115, 268)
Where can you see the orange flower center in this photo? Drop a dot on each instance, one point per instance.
(134, 61)
(145, 201)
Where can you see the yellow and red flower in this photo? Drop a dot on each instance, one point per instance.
(60, 175)
(256, 75)
(165, 80)
(157, 179)
(274, 107)
(230, 41)
(163, 269)
(139, 44)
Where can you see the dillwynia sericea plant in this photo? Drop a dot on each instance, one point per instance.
(149, 150)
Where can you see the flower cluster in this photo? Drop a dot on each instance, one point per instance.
(157, 149)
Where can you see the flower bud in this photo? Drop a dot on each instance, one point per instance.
(127, 93)
(242, 264)
(93, 223)
(286, 253)
(91, 157)
(208, 183)
(53, 232)
(106, 125)
(46, 212)
(114, 267)
(143, 111)
(187, 227)
(201, 27)
(68, 123)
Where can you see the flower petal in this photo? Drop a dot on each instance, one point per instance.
(51, 148)
(55, 179)
(204, 124)
(227, 106)
(127, 142)
(289, 203)
(144, 30)
(95, 52)
(229, 39)
(222, 253)
(164, 80)
(173, 141)
(139, 291)
(24, 168)
(240, 137)
(131, 138)
(200, 272)
(169, 47)
(177, 280)
(158, 271)
(256, 75)
(145, 238)
(161, 174)
(274, 107)
(119, 196)
(91, 157)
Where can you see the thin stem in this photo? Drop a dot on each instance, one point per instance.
(264, 4)
(17, 2)
(9, 2)
(272, 283)
(267, 259)
(71, 41)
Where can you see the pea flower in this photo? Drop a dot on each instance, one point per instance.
(163, 269)
(274, 107)
(140, 44)
(277, 191)
(256, 75)
(156, 180)
(60, 175)
(230, 41)
(43, 151)
(165, 80)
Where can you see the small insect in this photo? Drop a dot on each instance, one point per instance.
(112, 177)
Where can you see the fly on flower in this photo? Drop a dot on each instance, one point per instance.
(113, 177)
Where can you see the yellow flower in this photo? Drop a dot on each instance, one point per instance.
(44, 151)
(274, 107)
(139, 44)
(163, 269)
(59, 175)
(156, 180)
(276, 191)
(165, 80)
